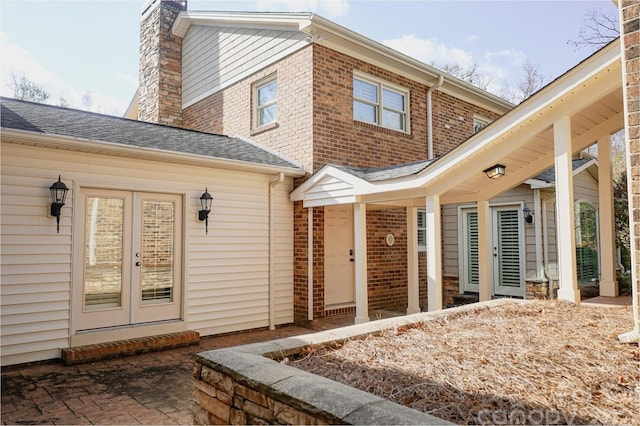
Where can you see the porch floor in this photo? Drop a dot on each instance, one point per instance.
(349, 319)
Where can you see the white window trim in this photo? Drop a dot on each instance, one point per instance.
(381, 84)
(256, 107)
(422, 211)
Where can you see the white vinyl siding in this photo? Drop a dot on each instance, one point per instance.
(225, 273)
(329, 191)
(216, 57)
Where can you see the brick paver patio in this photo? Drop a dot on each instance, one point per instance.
(153, 388)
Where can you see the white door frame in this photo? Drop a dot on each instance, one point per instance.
(131, 312)
(464, 279)
(345, 259)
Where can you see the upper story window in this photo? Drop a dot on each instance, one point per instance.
(479, 123)
(265, 102)
(381, 103)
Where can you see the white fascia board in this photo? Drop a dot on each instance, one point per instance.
(538, 184)
(120, 150)
(585, 166)
(276, 21)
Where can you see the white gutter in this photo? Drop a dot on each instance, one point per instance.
(430, 116)
(93, 146)
(272, 255)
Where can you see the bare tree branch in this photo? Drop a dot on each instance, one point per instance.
(598, 29)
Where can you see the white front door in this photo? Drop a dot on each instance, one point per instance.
(339, 258)
(130, 259)
(507, 251)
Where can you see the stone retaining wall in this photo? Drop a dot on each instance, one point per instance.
(247, 385)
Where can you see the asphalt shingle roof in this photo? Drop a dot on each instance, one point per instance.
(388, 172)
(53, 120)
(549, 175)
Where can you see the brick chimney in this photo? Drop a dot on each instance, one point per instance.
(160, 91)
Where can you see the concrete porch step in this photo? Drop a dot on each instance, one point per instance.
(122, 348)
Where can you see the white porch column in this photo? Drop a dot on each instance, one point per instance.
(310, 263)
(485, 251)
(565, 211)
(606, 220)
(360, 245)
(413, 273)
(434, 253)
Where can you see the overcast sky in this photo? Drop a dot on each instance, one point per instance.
(91, 46)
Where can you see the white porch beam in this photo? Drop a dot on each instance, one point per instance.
(606, 220)
(485, 251)
(434, 253)
(565, 211)
(360, 243)
(413, 272)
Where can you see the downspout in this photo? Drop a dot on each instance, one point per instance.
(430, 116)
(272, 255)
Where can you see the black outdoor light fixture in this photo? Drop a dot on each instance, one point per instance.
(495, 172)
(58, 196)
(205, 203)
(528, 217)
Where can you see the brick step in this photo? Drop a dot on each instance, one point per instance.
(122, 348)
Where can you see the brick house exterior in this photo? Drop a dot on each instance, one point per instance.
(315, 127)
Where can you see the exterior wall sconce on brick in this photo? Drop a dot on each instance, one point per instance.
(58, 196)
(205, 204)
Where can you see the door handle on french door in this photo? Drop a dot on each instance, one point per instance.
(138, 262)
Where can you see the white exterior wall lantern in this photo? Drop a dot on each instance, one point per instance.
(495, 172)
(206, 200)
(58, 196)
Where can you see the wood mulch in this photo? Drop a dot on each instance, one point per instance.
(522, 363)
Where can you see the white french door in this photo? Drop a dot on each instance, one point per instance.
(507, 251)
(130, 259)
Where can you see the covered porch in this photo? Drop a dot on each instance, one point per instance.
(581, 108)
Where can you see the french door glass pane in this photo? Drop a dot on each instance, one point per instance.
(103, 253)
(157, 251)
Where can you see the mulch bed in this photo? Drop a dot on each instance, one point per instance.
(522, 363)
